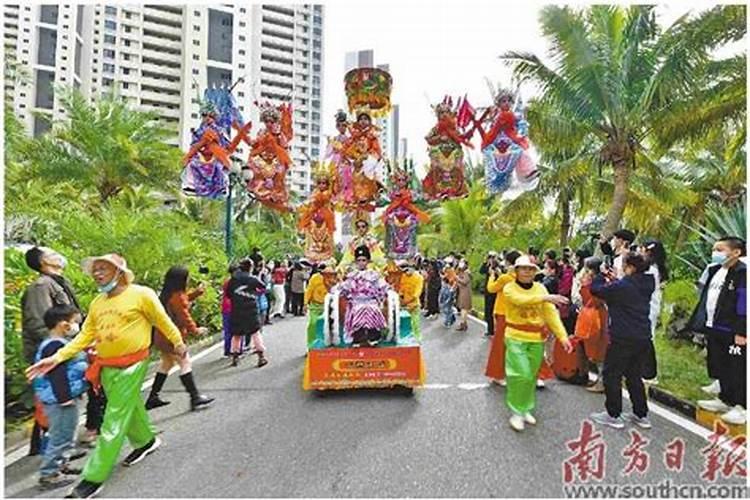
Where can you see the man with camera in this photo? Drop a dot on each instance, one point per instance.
(491, 270)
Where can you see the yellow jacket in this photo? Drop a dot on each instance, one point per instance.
(525, 308)
(410, 288)
(316, 290)
(121, 325)
(496, 286)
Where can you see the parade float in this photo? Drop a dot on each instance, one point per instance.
(362, 338)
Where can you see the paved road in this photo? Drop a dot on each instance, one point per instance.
(265, 437)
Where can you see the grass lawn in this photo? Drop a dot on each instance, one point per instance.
(681, 365)
(681, 368)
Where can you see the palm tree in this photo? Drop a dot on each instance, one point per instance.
(625, 83)
(105, 146)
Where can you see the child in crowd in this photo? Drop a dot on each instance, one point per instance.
(446, 299)
(721, 314)
(59, 391)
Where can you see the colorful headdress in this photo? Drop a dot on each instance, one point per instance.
(401, 175)
(269, 112)
(341, 116)
(445, 107)
(323, 171)
(368, 89)
(207, 108)
(505, 92)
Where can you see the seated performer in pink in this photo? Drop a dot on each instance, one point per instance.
(366, 292)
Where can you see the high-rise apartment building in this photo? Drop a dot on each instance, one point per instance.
(163, 56)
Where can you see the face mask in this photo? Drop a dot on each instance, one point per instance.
(110, 286)
(719, 258)
(73, 331)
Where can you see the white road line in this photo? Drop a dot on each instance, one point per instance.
(21, 452)
(657, 409)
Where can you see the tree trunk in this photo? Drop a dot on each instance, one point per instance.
(620, 197)
(565, 224)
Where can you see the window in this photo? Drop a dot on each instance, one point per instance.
(240, 94)
(126, 57)
(196, 27)
(315, 152)
(227, 21)
(110, 25)
(127, 29)
(196, 43)
(196, 57)
(107, 82)
(125, 71)
(108, 68)
(316, 56)
(242, 52)
(242, 66)
(108, 53)
(242, 24)
(194, 115)
(242, 10)
(242, 38)
(48, 14)
(125, 85)
(127, 43)
(110, 39)
(195, 71)
(110, 10)
(128, 15)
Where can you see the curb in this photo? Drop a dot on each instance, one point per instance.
(684, 408)
(18, 438)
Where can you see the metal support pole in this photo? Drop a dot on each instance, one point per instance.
(228, 221)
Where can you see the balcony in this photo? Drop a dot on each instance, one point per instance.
(279, 9)
(162, 16)
(174, 87)
(161, 111)
(165, 30)
(275, 52)
(161, 97)
(161, 70)
(161, 45)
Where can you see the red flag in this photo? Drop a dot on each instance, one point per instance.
(465, 113)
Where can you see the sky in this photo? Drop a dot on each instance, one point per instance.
(435, 48)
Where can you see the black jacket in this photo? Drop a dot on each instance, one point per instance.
(731, 308)
(242, 290)
(629, 303)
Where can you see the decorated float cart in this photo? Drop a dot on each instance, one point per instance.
(336, 357)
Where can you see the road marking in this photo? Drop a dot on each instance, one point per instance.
(21, 452)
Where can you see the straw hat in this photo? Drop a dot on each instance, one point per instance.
(112, 258)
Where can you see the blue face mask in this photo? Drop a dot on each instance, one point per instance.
(111, 285)
(719, 258)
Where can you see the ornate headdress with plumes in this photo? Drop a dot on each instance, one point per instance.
(268, 112)
(445, 107)
(505, 92)
(323, 171)
(401, 175)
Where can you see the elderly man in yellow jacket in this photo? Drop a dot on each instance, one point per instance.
(119, 326)
(409, 290)
(529, 308)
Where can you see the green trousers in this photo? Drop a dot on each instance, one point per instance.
(522, 362)
(125, 416)
(416, 316)
(314, 312)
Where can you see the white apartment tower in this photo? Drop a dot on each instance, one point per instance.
(162, 56)
(287, 64)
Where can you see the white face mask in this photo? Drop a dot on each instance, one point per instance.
(73, 330)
